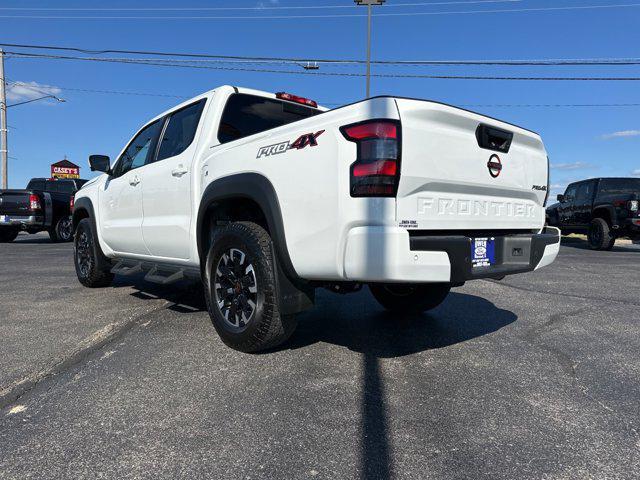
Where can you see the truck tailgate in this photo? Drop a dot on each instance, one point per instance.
(463, 171)
(14, 202)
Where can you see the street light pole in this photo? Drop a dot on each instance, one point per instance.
(369, 4)
(4, 149)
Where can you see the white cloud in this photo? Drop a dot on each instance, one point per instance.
(622, 134)
(636, 172)
(24, 91)
(570, 166)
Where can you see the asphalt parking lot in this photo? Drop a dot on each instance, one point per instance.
(534, 377)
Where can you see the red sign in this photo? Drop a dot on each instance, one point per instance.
(65, 172)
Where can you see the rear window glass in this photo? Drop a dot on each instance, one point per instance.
(246, 115)
(620, 185)
(36, 185)
(60, 187)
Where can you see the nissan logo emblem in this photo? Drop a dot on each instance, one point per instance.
(495, 166)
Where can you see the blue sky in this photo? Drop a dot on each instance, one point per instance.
(582, 141)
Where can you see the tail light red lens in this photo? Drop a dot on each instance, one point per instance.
(72, 202)
(376, 171)
(34, 202)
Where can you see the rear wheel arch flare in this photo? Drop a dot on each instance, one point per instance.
(241, 192)
(604, 213)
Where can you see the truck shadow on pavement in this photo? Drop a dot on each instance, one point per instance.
(357, 323)
(361, 326)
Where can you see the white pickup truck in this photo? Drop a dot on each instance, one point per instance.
(266, 197)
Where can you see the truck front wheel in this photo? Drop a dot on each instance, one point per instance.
(8, 234)
(89, 259)
(410, 298)
(600, 237)
(240, 289)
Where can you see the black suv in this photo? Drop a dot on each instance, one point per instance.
(603, 208)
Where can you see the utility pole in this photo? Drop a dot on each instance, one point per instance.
(4, 149)
(369, 4)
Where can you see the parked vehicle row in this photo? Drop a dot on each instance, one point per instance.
(45, 205)
(266, 197)
(602, 208)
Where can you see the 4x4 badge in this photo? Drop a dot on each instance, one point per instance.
(495, 166)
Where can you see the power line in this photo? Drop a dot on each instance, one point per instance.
(316, 73)
(484, 105)
(297, 60)
(259, 8)
(298, 17)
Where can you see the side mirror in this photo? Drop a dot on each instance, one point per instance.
(560, 197)
(100, 163)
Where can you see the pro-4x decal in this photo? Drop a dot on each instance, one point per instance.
(302, 141)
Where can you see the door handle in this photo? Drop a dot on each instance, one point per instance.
(134, 181)
(178, 172)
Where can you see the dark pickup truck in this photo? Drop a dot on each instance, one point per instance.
(603, 208)
(44, 205)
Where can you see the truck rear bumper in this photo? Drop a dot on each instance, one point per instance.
(390, 254)
(21, 221)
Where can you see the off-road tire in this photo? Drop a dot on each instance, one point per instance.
(62, 231)
(94, 273)
(409, 298)
(228, 286)
(8, 234)
(600, 236)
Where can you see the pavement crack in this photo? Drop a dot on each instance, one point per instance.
(559, 294)
(106, 335)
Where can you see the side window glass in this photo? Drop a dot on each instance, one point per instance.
(180, 130)
(584, 192)
(570, 195)
(139, 150)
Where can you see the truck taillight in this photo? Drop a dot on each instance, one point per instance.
(34, 202)
(72, 201)
(376, 171)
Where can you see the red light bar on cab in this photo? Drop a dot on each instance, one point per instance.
(295, 98)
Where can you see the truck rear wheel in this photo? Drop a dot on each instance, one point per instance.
(410, 298)
(240, 289)
(63, 230)
(599, 236)
(8, 234)
(88, 257)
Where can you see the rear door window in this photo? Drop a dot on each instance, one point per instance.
(246, 115)
(620, 185)
(180, 130)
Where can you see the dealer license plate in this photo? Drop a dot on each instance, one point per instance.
(483, 252)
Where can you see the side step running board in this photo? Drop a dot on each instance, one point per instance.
(122, 268)
(155, 275)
